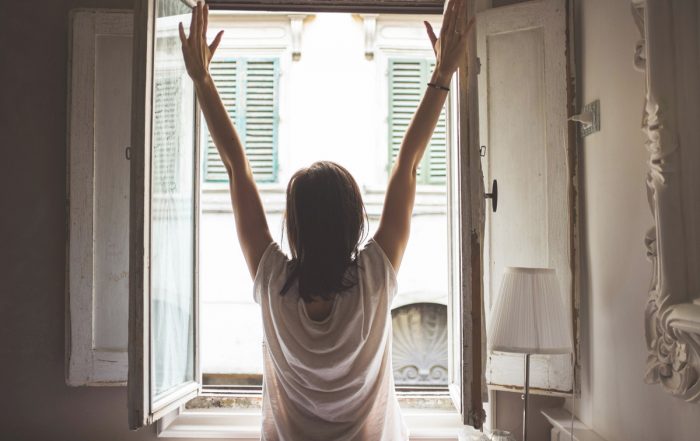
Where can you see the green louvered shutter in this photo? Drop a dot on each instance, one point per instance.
(437, 150)
(249, 90)
(225, 75)
(261, 118)
(407, 82)
(405, 92)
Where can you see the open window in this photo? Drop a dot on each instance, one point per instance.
(167, 169)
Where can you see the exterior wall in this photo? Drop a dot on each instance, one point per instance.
(615, 401)
(333, 106)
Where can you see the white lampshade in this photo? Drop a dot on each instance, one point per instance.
(529, 316)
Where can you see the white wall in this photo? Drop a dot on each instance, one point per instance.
(615, 401)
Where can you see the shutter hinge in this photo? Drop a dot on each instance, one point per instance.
(482, 151)
(127, 153)
(478, 65)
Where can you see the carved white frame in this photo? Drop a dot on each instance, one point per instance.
(669, 54)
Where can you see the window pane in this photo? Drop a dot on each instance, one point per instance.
(172, 207)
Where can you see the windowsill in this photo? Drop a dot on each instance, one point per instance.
(244, 424)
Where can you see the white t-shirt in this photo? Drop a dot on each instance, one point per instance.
(329, 380)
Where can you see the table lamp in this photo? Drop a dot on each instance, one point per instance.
(529, 318)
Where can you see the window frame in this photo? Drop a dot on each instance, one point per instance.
(142, 409)
(465, 266)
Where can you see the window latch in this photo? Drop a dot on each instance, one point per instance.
(493, 195)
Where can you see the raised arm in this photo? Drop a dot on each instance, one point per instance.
(251, 224)
(450, 50)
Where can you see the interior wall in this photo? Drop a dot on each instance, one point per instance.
(615, 402)
(37, 404)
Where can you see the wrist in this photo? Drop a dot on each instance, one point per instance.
(203, 81)
(441, 78)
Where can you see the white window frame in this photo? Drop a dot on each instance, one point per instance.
(466, 260)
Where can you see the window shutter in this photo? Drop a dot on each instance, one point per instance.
(407, 82)
(405, 91)
(248, 89)
(261, 118)
(225, 75)
(437, 150)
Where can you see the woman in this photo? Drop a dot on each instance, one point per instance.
(326, 312)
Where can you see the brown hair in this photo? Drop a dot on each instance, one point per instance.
(325, 222)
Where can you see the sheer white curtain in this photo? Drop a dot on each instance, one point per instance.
(172, 211)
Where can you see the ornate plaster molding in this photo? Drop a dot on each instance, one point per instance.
(672, 317)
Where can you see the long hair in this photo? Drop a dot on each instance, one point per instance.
(325, 222)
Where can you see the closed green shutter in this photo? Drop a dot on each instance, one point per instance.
(249, 90)
(407, 83)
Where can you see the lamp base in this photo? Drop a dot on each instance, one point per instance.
(525, 395)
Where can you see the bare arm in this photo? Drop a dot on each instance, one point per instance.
(450, 49)
(251, 224)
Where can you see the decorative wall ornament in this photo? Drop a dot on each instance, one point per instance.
(419, 345)
(370, 24)
(669, 54)
(296, 22)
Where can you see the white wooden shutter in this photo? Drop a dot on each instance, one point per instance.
(98, 252)
(523, 114)
(465, 193)
(249, 90)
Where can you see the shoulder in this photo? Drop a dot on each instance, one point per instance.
(272, 265)
(373, 262)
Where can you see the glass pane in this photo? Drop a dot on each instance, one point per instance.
(172, 207)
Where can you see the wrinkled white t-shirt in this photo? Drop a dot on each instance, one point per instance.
(329, 380)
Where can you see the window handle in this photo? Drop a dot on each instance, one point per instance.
(493, 195)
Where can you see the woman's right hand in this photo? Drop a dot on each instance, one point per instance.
(195, 50)
(451, 48)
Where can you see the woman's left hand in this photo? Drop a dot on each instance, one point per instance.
(451, 48)
(195, 50)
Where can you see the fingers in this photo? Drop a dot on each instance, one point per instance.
(463, 25)
(447, 17)
(455, 15)
(470, 27)
(214, 44)
(193, 21)
(183, 38)
(431, 34)
(200, 18)
(205, 22)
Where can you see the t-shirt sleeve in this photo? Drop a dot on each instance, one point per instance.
(272, 265)
(376, 265)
